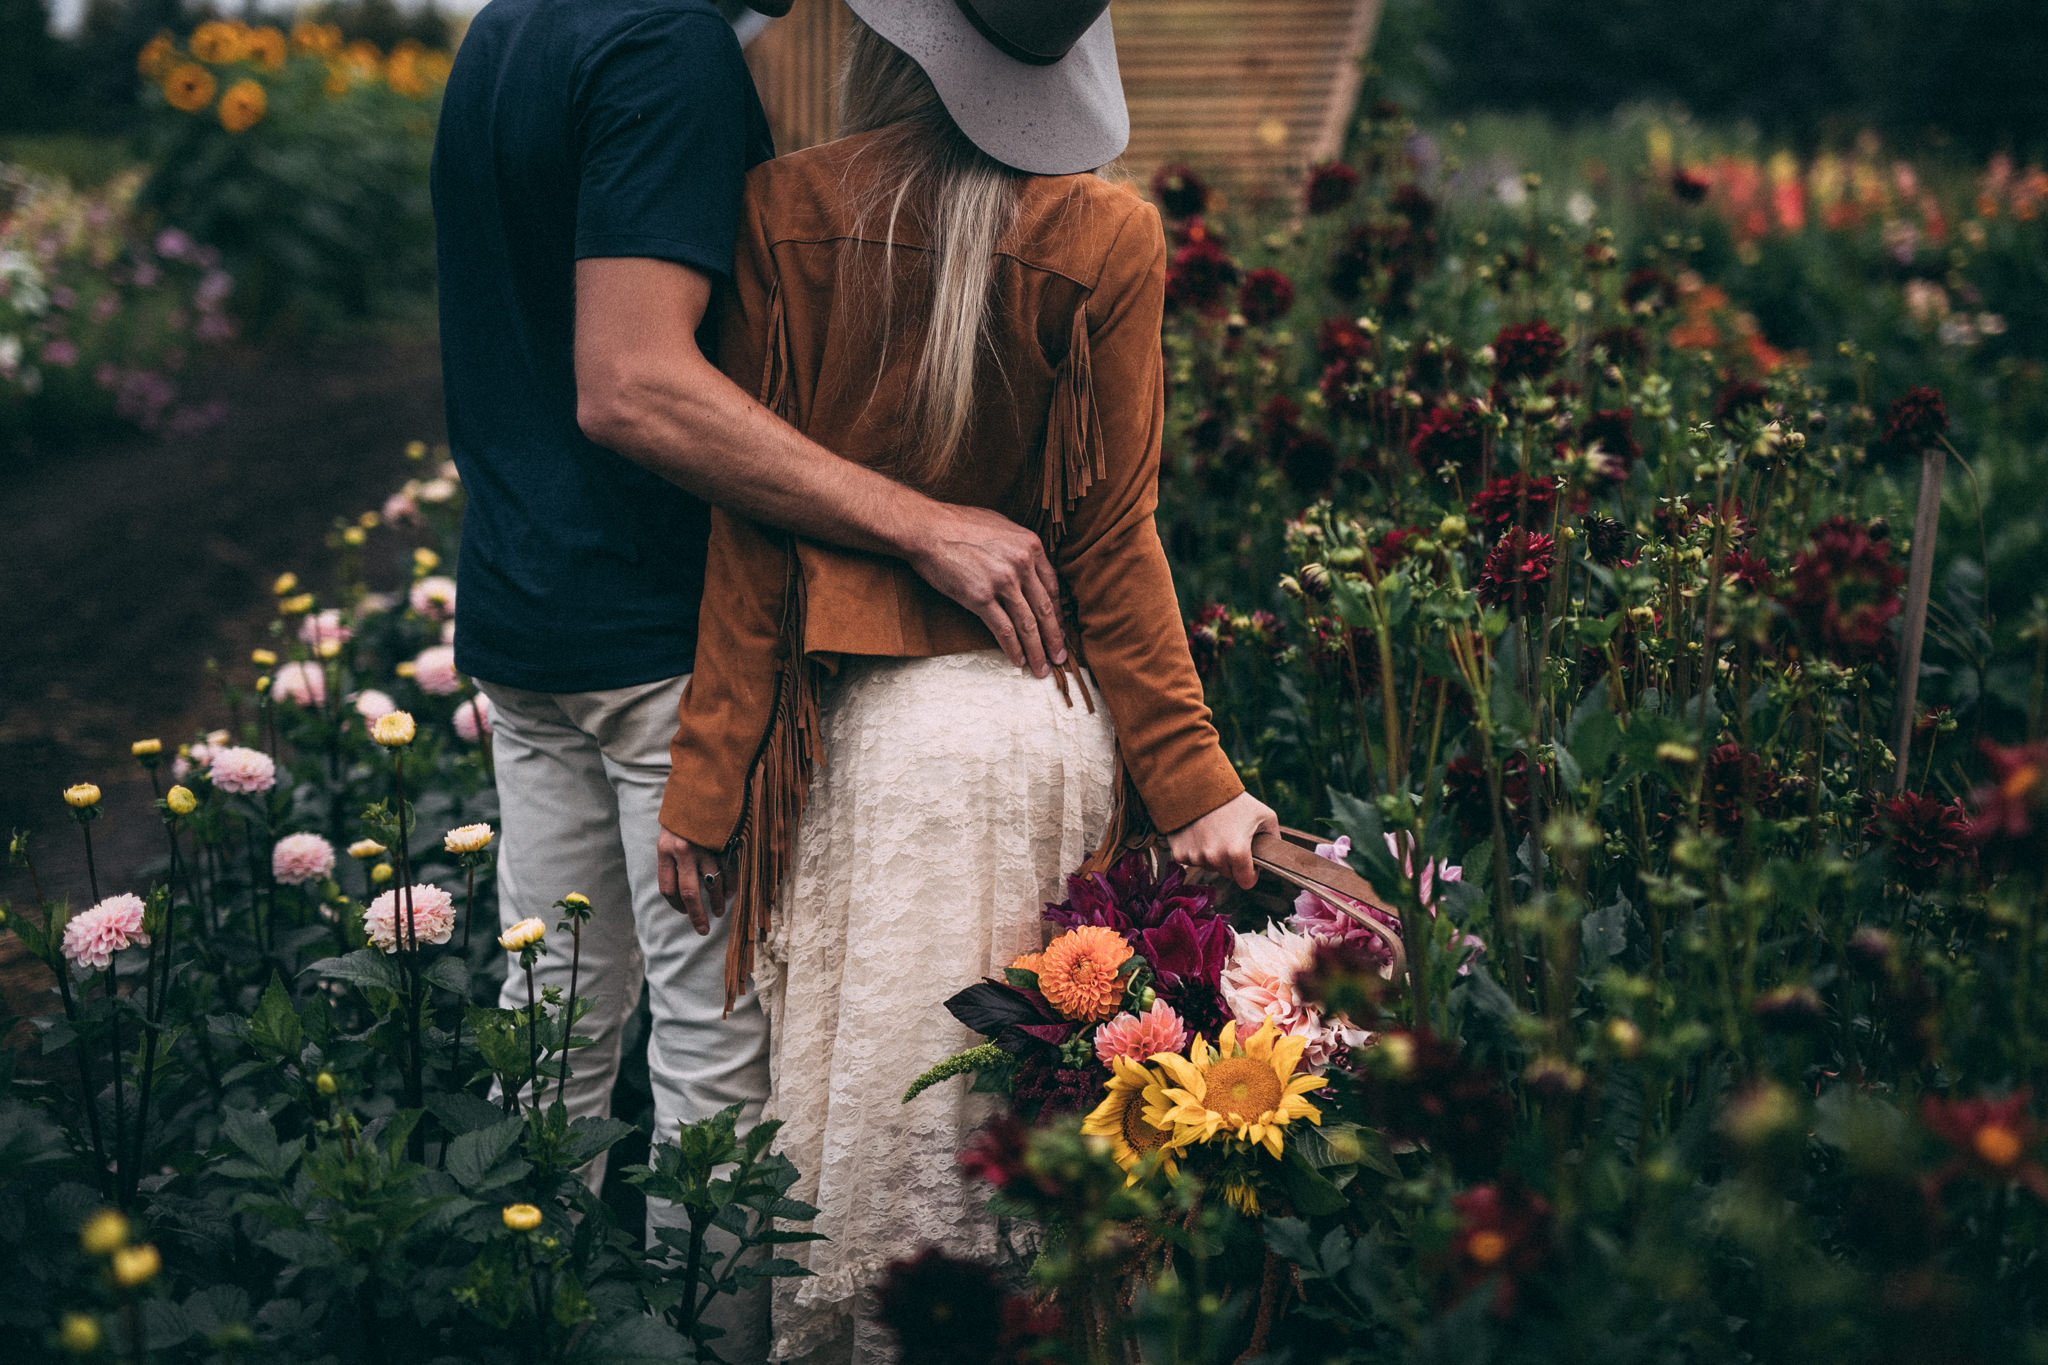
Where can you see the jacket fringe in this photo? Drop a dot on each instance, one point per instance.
(1074, 453)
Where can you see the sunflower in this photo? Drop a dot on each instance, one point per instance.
(189, 87)
(243, 106)
(1248, 1091)
(1133, 1116)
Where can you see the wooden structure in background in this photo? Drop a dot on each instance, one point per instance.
(1247, 91)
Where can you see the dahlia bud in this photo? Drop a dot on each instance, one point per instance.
(394, 731)
(1451, 530)
(286, 585)
(522, 935)
(180, 801)
(381, 873)
(353, 536)
(467, 839)
(415, 450)
(425, 560)
(263, 658)
(1624, 1037)
(296, 606)
(105, 1233)
(521, 1217)
(148, 750)
(325, 1084)
(84, 796)
(366, 849)
(80, 1335)
(137, 1265)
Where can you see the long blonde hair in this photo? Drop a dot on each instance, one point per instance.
(966, 201)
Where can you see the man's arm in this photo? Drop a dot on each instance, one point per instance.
(644, 390)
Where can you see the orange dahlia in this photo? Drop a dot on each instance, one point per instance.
(1082, 972)
(243, 106)
(1030, 962)
(156, 56)
(189, 87)
(322, 40)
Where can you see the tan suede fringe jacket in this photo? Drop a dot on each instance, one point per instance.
(1066, 441)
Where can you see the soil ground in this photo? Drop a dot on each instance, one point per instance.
(126, 567)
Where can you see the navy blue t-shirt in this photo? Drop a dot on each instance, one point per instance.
(575, 129)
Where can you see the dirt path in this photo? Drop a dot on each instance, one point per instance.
(126, 567)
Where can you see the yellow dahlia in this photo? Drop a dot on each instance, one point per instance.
(1081, 973)
(1247, 1091)
(1133, 1115)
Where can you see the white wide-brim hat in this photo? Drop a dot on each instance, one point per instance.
(1033, 83)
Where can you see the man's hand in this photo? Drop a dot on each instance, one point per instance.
(687, 874)
(1221, 841)
(997, 570)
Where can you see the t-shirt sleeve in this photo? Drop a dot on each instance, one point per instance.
(664, 122)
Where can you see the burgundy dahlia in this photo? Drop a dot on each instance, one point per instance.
(1513, 500)
(1623, 345)
(1199, 275)
(1923, 837)
(1395, 546)
(1129, 897)
(1209, 637)
(1342, 338)
(1469, 802)
(1043, 1085)
(1449, 438)
(1736, 782)
(1179, 191)
(942, 1310)
(1504, 1236)
(1606, 539)
(1412, 202)
(1435, 365)
(1516, 575)
(1845, 592)
(1916, 420)
(1748, 571)
(1612, 430)
(1265, 296)
(1309, 460)
(1527, 350)
(1330, 187)
(1739, 396)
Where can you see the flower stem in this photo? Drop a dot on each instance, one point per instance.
(532, 1038)
(114, 1027)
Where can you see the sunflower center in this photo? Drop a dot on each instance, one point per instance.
(1486, 1247)
(1997, 1144)
(1243, 1089)
(1141, 1136)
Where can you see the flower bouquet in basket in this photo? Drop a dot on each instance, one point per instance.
(1178, 1027)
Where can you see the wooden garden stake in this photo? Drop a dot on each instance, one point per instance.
(1919, 581)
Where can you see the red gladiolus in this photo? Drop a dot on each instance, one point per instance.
(1516, 575)
(1526, 350)
(1265, 297)
(1330, 187)
(1503, 1235)
(1923, 837)
(1514, 500)
(1991, 1140)
(1845, 592)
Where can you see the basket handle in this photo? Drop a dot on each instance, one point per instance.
(1284, 857)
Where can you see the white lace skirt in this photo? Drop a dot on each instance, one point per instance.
(956, 795)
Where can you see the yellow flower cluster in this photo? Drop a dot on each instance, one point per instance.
(189, 86)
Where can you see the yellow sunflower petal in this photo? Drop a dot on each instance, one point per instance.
(1184, 1074)
(1226, 1041)
(1286, 1056)
(1259, 1047)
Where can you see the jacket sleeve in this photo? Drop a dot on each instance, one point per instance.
(1109, 554)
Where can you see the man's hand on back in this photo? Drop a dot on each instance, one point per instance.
(997, 570)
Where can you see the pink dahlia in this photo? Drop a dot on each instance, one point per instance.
(434, 597)
(92, 937)
(1138, 1036)
(433, 917)
(301, 858)
(473, 719)
(301, 684)
(434, 671)
(246, 772)
(401, 509)
(372, 704)
(1259, 984)
(324, 627)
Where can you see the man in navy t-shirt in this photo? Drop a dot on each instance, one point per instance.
(587, 179)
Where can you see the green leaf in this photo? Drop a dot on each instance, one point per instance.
(363, 967)
(474, 1157)
(452, 974)
(274, 1027)
(1308, 1189)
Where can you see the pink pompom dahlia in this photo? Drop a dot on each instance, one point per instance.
(1139, 1036)
(434, 597)
(245, 772)
(433, 917)
(301, 858)
(434, 671)
(301, 684)
(92, 937)
(473, 719)
(324, 627)
(371, 704)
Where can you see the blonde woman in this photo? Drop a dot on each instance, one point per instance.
(950, 296)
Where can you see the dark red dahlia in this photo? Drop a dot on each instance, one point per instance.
(1648, 291)
(1923, 837)
(1330, 187)
(1748, 571)
(1279, 419)
(1449, 439)
(1180, 192)
(1845, 592)
(1513, 500)
(1471, 805)
(1690, 186)
(1266, 296)
(1412, 202)
(1343, 339)
(1043, 1086)
(1130, 897)
(1422, 1088)
(1435, 365)
(1199, 276)
(1504, 1236)
(1350, 392)
(2009, 823)
(1516, 575)
(942, 1310)
(1612, 430)
(1737, 397)
(1736, 782)
(1527, 350)
(997, 1155)
(1209, 637)
(1916, 420)
(1207, 431)
(1607, 540)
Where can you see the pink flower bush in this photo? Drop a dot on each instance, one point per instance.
(1259, 984)
(245, 772)
(433, 917)
(301, 858)
(473, 719)
(1138, 1036)
(433, 597)
(93, 937)
(324, 627)
(434, 671)
(371, 704)
(301, 684)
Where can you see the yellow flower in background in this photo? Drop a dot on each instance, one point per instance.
(136, 1265)
(381, 873)
(363, 59)
(366, 848)
(424, 560)
(1133, 1116)
(105, 1233)
(337, 80)
(402, 72)
(1249, 1092)
(286, 585)
(301, 603)
(521, 1217)
(146, 748)
(322, 40)
(82, 797)
(263, 658)
(241, 109)
(219, 41)
(156, 57)
(266, 47)
(394, 730)
(181, 801)
(467, 839)
(189, 87)
(80, 1335)
(522, 935)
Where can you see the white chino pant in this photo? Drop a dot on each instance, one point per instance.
(580, 779)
